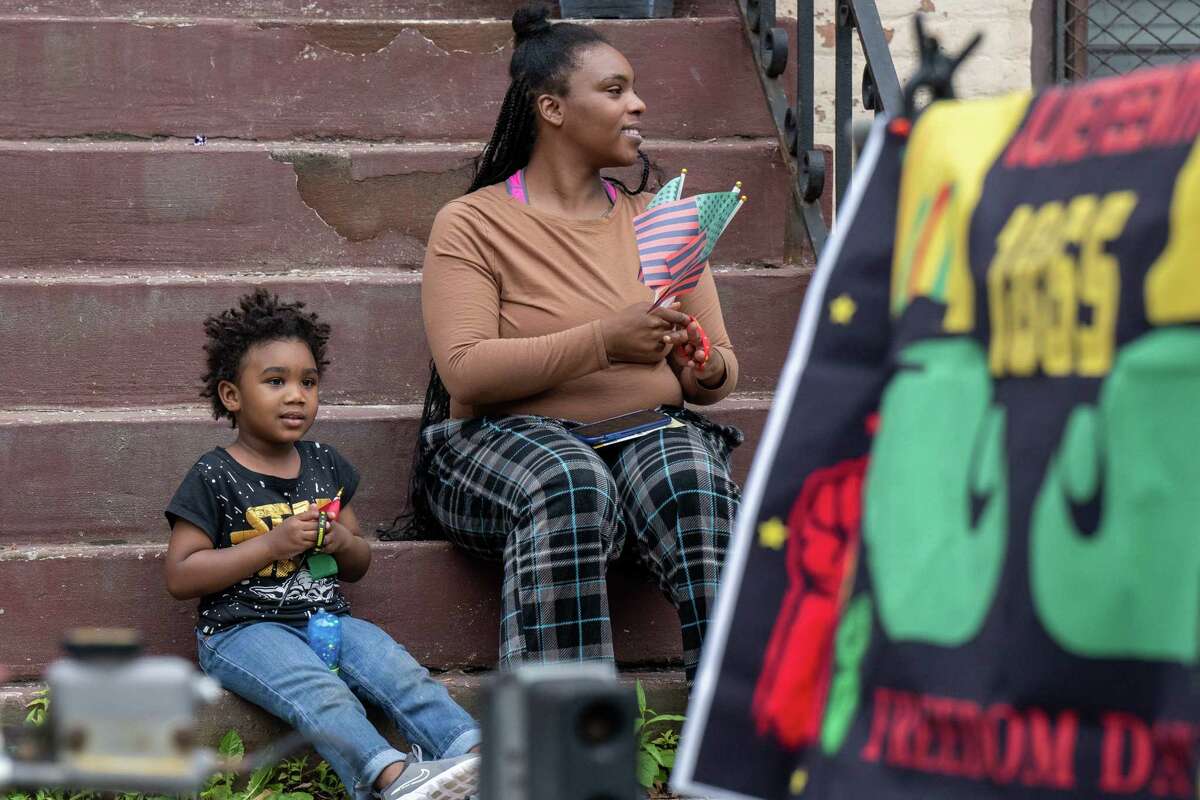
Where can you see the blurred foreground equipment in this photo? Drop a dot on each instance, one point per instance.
(559, 732)
(120, 721)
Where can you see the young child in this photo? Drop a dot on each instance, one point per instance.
(242, 522)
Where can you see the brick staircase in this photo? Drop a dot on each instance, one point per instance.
(334, 131)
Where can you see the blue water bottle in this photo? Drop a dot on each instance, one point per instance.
(325, 637)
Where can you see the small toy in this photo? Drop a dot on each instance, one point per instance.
(323, 565)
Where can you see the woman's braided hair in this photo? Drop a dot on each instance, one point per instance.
(543, 56)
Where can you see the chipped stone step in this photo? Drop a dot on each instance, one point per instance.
(112, 340)
(441, 604)
(666, 693)
(93, 476)
(312, 9)
(310, 79)
(271, 206)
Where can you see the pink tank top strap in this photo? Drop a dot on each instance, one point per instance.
(515, 184)
(610, 190)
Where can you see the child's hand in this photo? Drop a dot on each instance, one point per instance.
(295, 535)
(337, 538)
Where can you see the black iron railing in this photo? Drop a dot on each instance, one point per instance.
(773, 46)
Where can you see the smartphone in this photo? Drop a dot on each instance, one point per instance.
(613, 429)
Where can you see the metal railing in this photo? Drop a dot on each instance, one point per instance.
(1112, 37)
(772, 46)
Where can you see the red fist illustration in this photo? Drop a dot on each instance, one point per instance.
(824, 525)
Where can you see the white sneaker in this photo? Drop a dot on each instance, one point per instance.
(445, 779)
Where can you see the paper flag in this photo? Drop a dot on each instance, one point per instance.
(671, 191)
(662, 235)
(676, 236)
(716, 212)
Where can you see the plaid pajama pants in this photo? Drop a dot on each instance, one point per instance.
(523, 490)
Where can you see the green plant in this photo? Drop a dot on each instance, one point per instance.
(325, 783)
(291, 779)
(300, 781)
(220, 786)
(656, 746)
(37, 708)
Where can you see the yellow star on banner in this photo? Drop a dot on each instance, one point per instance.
(772, 534)
(798, 782)
(842, 309)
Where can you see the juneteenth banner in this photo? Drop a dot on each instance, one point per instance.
(967, 563)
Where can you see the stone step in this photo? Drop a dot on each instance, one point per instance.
(312, 79)
(314, 9)
(269, 206)
(93, 476)
(108, 340)
(441, 604)
(666, 693)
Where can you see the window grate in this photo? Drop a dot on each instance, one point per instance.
(1112, 37)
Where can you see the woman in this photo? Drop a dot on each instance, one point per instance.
(537, 321)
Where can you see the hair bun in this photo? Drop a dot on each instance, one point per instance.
(530, 21)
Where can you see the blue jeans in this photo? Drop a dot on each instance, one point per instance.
(271, 665)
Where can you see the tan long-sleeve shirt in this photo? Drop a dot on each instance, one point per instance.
(512, 299)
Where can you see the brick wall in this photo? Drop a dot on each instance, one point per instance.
(1000, 64)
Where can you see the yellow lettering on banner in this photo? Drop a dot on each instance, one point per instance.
(1037, 286)
(1062, 312)
(1173, 283)
(1101, 283)
(1014, 231)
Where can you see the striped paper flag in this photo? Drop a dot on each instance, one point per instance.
(675, 236)
(665, 236)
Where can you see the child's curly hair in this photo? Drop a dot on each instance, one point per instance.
(259, 317)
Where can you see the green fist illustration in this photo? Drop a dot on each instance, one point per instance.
(936, 514)
(1115, 536)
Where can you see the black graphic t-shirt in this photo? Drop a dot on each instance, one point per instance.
(233, 504)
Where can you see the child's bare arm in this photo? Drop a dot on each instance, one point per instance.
(345, 543)
(195, 568)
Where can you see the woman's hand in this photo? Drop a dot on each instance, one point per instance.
(711, 374)
(643, 336)
(697, 360)
(695, 351)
